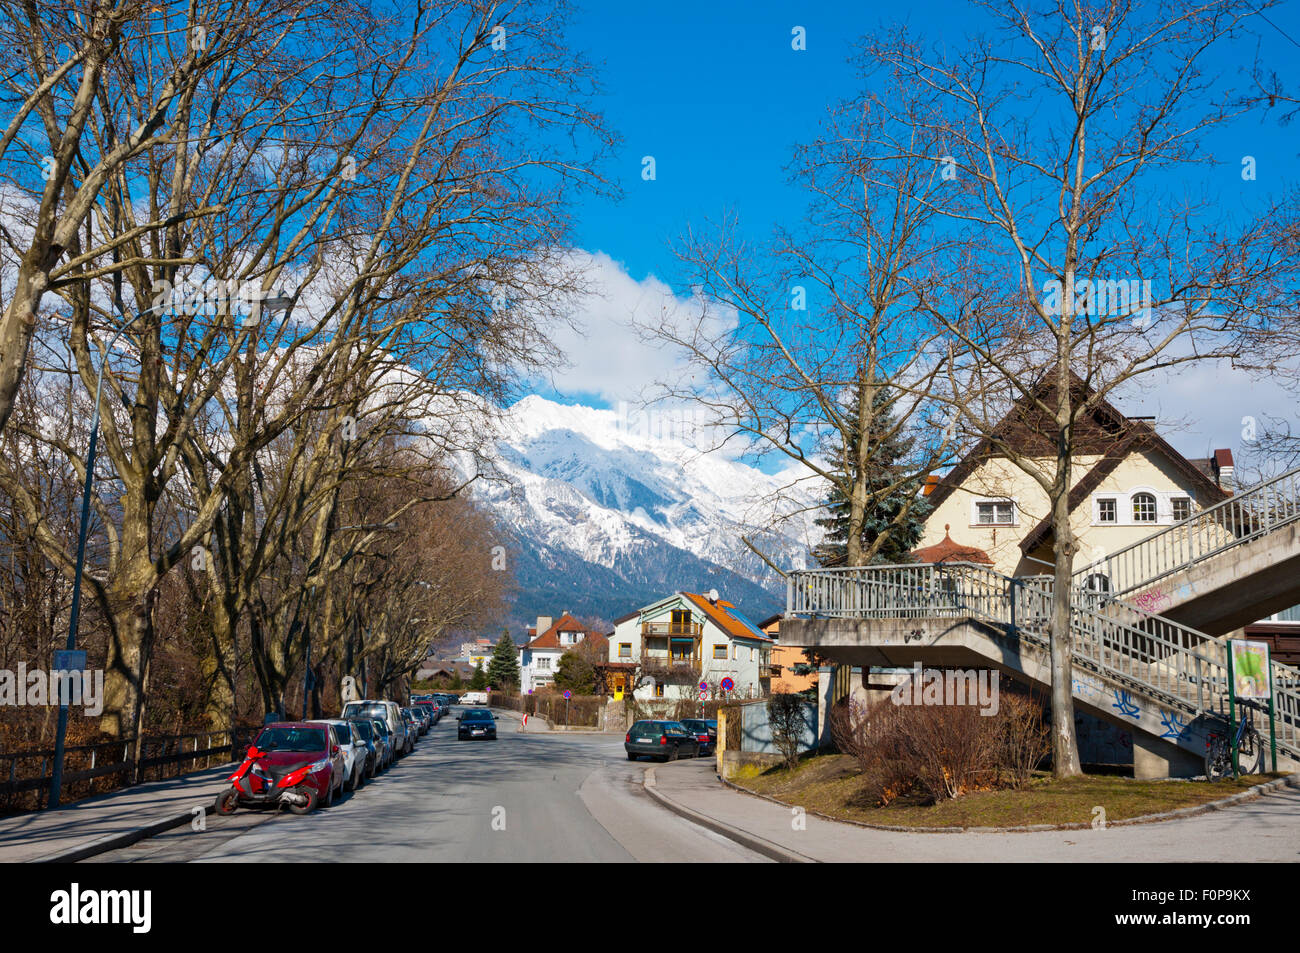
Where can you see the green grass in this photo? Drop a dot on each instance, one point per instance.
(831, 785)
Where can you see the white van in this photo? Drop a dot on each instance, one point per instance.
(474, 698)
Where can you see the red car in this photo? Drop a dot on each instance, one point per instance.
(298, 764)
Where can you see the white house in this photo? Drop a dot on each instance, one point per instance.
(687, 639)
(539, 659)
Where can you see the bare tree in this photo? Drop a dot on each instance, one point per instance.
(812, 346)
(1061, 134)
(395, 184)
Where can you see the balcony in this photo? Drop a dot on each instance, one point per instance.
(769, 671)
(693, 630)
(660, 661)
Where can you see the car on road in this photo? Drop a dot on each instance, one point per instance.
(290, 745)
(476, 723)
(401, 740)
(364, 730)
(354, 751)
(384, 738)
(413, 726)
(474, 698)
(664, 740)
(705, 731)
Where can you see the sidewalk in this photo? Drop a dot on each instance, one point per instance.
(108, 821)
(1264, 829)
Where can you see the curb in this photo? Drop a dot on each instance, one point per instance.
(120, 839)
(1250, 794)
(745, 839)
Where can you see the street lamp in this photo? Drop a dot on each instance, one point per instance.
(278, 303)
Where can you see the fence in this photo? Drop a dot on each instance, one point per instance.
(749, 729)
(106, 766)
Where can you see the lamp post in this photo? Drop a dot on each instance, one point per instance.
(74, 614)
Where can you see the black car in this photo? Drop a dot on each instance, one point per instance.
(705, 731)
(665, 740)
(476, 723)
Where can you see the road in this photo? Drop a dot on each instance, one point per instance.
(550, 796)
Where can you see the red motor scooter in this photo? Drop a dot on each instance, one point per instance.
(258, 783)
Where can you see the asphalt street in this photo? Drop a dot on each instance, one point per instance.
(541, 796)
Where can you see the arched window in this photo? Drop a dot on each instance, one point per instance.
(1097, 582)
(1144, 508)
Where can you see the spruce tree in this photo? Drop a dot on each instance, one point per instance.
(503, 668)
(886, 453)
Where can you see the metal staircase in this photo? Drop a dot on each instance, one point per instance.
(1181, 670)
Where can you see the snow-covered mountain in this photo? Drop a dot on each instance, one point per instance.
(606, 517)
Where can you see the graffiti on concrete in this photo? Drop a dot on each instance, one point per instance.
(1173, 725)
(1125, 705)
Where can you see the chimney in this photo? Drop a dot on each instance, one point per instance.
(1224, 469)
(543, 623)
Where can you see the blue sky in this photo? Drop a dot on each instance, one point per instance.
(715, 93)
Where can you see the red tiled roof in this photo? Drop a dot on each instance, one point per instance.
(550, 639)
(725, 620)
(946, 551)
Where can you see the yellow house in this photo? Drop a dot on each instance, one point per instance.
(1127, 481)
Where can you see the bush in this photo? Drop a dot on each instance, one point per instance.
(940, 751)
(785, 713)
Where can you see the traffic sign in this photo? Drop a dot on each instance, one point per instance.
(69, 661)
(728, 684)
(704, 686)
(568, 694)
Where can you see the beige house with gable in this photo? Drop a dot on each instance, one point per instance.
(1127, 482)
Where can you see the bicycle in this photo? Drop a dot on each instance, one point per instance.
(1219, 761)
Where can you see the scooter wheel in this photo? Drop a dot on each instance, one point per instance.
(309, 806)
(227, 801)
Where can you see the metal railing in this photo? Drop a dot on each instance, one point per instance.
(1245, 516)
(684, 629)
(1156, 657)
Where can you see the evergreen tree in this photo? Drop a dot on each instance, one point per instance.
(575, 673)
(478, 681)
(503, 668)
(456, 681)
(886, 453)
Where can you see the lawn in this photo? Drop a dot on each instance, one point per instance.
(831, 785)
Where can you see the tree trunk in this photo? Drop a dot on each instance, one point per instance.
(129, 644)
(1065, 746)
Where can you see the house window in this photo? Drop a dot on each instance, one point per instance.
(1107, 512)
(659, 690)
(625, 650)
(1144, 508)
(544, 662)
(995, 513)
(681, 622)
(720, 651)
(1182, 508)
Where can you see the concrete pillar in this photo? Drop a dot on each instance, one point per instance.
(825, 698)
(1154, 758)
(858, 681)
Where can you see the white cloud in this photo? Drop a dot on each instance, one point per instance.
(1200, 406)
(607, 356)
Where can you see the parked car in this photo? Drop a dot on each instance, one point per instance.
(384, 738)
(474, 698)
(425, 713)
(364, 730)
(705, 731)
(665, 740)
(476, 723)
(432, 709)
(412, 724)
(402, 741)
(353, 748)
(290, 745)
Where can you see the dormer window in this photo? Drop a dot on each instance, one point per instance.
(1144, 508)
